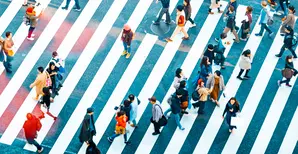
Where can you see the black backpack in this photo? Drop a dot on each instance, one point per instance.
(195, 95)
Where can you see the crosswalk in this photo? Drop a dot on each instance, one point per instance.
(149, 71)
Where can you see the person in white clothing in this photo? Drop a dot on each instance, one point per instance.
(134, 102)
(215, 5)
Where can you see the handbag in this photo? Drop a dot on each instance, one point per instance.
(10, 53)
(287, 73)
(184, 105)
(163, 120)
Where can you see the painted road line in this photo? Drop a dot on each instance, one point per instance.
(273, 116)
(107, 114)
(30, 60)
(100, 78)
(232, 86)
(22, 32)
(254, 96)
(187, 121)
(153, 81)
(148, 90)
(290, 139)
(173, 4)
(28, 105)
(80, 67)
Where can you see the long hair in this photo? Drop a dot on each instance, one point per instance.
(187, 1)
(236, 102)
(246, 53)
(178, 71)
(204, 61)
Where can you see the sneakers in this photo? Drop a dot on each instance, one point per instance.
(155, 23)
(192, 25)
(127, 55)
(277, 55)
(155, 133)
(211, 12)
(185, 38)
(124, 52)
(40, 151)
(30, 38)
(258, 34)
(110, 139)
(169, 40)
(182, 128)
(238, 77)
(64, 8)
(236, 41)
(246, 76)
(278, 83)
(77, 9)
(127, 142)
(288, 85)
(271, 34)
(55, 118)
(243, 39)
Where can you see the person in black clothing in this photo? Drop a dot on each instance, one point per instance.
(231, 109)
(210, 53)
(187, 11)
(53, 72)
(184, 98)
(126, 107)
(92, 149)
(289, 71)
(164, 10)
(88, 129)
(245, 27)
(288, 42)
(46, 100)
(31, 126)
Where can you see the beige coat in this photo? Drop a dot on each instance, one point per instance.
(245, 62)
(211, 81)
(290, 21)
(39, 83)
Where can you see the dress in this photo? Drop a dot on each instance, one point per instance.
(215, 92)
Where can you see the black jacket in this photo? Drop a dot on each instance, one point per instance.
(175, 106)
(210, 55)
(165, 3)
(86, 133)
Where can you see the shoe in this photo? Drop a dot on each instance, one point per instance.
(78, 10)
(223, 67)
(288, 85)
(60, 85)
(155, 133)
(192, 25)
(277, 13)
(182, 128)
(56, 93)
(55, 118)
(193, 106)
(32, 35)
(258, 34)
(64, 8)
(30, 38)
(185, 38)
(24, 4)
(9, 71)
(169, 40)
(220, 11)
(37, 4)
(124, 52)
(278, 83)
(295, 57)
(238, 77)
(243, 39)
(127, 142)
(246, 76)
(168, 23)
(155, 23)
(216, 39)
(184, 112)
(110, 140)
(40, 151)
(237, 41)
(127, 55)
(211, 12)
(277, 55)
(282, 34)
(271, 34)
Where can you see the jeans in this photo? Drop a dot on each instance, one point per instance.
(7, 63)
(76, 1)
(177, 120)
(264, 26)
(31, 29)
(287, 81)
(126, 47)
(283, 48)
(134, 122)
(201, 105)
(116, 135)
(284, 8)
(32, 141)
(161, 13)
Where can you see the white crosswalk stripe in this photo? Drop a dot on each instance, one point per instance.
(65, 140)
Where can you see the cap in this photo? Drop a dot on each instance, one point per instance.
(153, 99)
(90, 110)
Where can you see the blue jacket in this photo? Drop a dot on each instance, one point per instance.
(205, 71)
(264, 16)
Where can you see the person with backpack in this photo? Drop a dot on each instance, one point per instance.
(46, 100)
(290, 20)
(231, 109)
(206, 69)
(245, 64)
(219, 58)
(290, 41)
(202, 93)
(127, 36)
(40, 82)
(121, 119)
(265, 17)
(214, 4)
(187, 11)
(8, 50)
(180, 20)
(175, 107)
(184, 98)
(134, 103)
(88, 129)
(231, 23)
(288, 71)
(164, 10)
(216, 84)
(245, 27)
(157, 115)
(31, 126)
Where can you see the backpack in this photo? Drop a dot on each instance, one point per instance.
(181, 20)
(295, 39)
(195, 95)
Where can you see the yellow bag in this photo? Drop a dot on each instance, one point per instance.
(120, 130)
(10, 53)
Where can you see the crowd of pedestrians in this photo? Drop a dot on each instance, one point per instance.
(208, 85)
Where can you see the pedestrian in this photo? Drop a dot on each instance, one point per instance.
(180, 20)
(283, 5)
(288, 71)
(31, 126)
(126, 108)
(231, 23)
(210, 53)
(231, 109)
(216, 84)
(126, 37)
(175, 108)
(215, 4)
(245, 27)
(206, 69)
(2, 57)
(179, 76)
(264, 20)
(134, 103)
(157, 115)
(92, 148)
(8, 45)
(220, 48)
(203, 93)
(165, 10)
(59, 62)
(40, 82)
(52, 70)
(184, 98)
(290, 20)
(88, 129)
(31, 15)
(77, 8)
(245, 64)
(288, 42)
(187, 11)
(120, 129)
(46, 101)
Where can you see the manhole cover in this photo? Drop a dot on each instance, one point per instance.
(160, 29)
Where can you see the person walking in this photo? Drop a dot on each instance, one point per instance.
(126, 107)
(77, 8)
(203, 93)
(126, 37)
(231, 23)
(245, 27)
(175, 108)
(156, 114)
(187, 11)
(31, 15)
(8, 50)
(288, 42)
(215, 4)
(180, 20)
(210, 53)
(134, 103)
(179, 76)
(288, 72)
(31, 126)
(206, 69)
(216, 84)
(231, 109)
(165, 10)
(2, 57)
(184, 98)
(264, 20)
(290, 20)
(59, 62)
(245, 64)
(219, 58)
(52, 70)
(88, 129)
(283, 5)
(46, 100)
(121, 119)
(40, 82)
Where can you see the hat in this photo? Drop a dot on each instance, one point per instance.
(126, 27)
(90, 110)
(210, 46)
(179, 7)
(153, 99)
